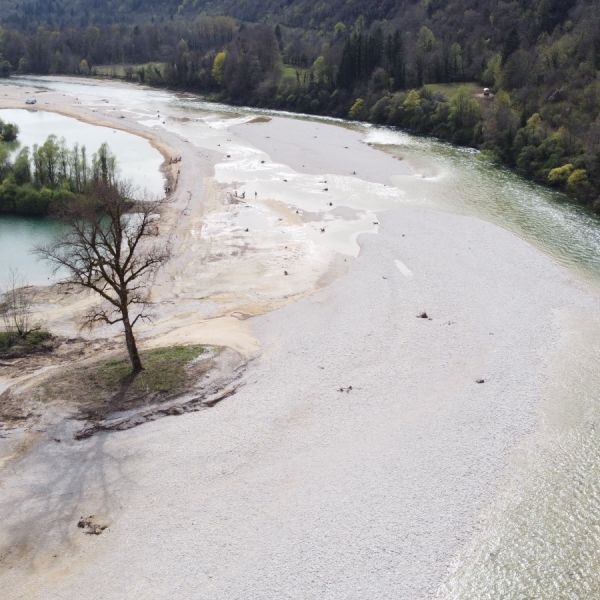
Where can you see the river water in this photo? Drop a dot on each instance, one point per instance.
(541, 539)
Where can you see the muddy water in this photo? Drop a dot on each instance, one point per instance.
(541, 538)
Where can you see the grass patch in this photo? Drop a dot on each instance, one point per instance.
(128, 71)
(164, 371)
(289, 72)
(451, 89)
(107, 386)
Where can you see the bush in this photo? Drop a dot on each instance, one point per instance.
(14, 345)
(359, 110)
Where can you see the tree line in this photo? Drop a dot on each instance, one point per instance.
(42, 181)
(382, 63)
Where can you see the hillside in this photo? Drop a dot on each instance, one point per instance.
(370, 61)
(304, 13)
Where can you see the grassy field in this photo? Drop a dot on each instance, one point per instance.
(451, 89)
(289, 72)
(121, 71)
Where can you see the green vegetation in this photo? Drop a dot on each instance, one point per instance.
(110, 385)
(12, 344)
(8, 131)
(449, 90)
(150, 72)
(292, 74)
(400, 63)
(164, 371)
(43, 181)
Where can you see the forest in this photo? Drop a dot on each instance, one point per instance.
(419, 65)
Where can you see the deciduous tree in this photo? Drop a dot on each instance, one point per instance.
(111, 246)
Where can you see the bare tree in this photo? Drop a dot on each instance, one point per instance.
(16, 306)
(110, 246)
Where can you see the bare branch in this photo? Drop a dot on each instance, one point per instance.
(106, 249)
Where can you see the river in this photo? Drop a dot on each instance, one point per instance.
(541, 537)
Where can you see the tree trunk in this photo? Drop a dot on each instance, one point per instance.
(134, 355)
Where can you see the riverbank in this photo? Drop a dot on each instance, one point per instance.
(358, 456)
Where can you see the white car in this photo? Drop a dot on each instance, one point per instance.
(31, 101)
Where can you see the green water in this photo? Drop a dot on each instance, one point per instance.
(138, 162)
(461, 180)
(18, 237)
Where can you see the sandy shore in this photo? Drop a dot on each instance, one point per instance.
(293, 488)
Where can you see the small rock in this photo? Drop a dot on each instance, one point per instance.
(95, 529)
(285, 273)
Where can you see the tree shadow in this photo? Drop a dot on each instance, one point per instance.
(118, 400)
(43, 495)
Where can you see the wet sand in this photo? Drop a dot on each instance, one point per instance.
(319, 147)
(293, 488)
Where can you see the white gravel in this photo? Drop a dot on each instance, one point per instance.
(292, 489)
